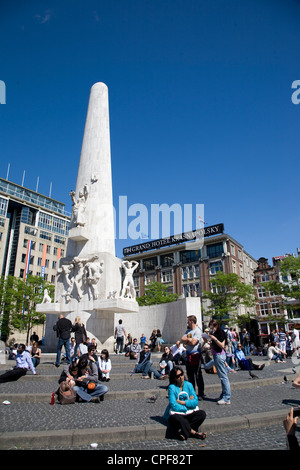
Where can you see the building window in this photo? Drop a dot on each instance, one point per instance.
(216, 250)
(234, 267)
(263, 308)
(45, 235)
(3, 206)
(167, 260)
(190, 256)
(150, 263)
(261, 292)
(166, 276)
(149, 278)
(275, 308)
(215, 267)
(232, 248)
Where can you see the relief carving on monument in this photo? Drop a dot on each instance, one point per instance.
(80, 277)
(128, 290)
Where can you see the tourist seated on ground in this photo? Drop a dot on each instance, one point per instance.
(183, 413)
(134, 349)
(143, 340)
(36, 354)
(23, 365)
(104, 364)
(178, 352)
(88, 374)
(245, 363)
(275, 354)
(143, 361)
(144, 365)
(166, 361)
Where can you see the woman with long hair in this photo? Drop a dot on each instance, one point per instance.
(184, 414)
(218, 342)
(104, 363)
(80, 334)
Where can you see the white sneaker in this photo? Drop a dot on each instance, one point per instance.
(223, 402)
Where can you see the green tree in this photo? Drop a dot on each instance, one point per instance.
(228, 293)
(156, 293)
(287, 290)
(18, 302)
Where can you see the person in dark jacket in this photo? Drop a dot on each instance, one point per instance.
(80, 334)
(63, 328)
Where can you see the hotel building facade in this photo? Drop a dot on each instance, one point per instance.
(186, 270)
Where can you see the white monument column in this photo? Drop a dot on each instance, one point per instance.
(93, 231)
(89, 278)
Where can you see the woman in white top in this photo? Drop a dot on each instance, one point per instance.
(104, 365)
(276, 354)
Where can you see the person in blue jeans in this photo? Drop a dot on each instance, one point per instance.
(88, 372)
(63, 328)
(218, 341)
(144, 365)
(246, 342)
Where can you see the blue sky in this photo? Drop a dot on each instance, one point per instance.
(200, 105)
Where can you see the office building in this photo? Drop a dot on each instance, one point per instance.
(33, 232)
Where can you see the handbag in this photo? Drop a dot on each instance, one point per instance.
(181, 396)
(66, 395)
(91, 385)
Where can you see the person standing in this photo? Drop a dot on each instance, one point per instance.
(119, 335)
(282, 340)
(63, 328)
(246, 342)
(191, 340)
(80, 334)
(218, 341)
(23, 364)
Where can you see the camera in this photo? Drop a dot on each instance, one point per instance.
(296, 412)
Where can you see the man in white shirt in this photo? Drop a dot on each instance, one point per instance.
(177, 351)
(119, 335)
(23, 365)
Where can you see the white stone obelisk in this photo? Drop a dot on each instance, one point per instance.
(89, 277)
(95, 233)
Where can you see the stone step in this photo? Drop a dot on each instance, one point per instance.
(161, 389)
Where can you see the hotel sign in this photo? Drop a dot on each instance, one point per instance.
(175, 239)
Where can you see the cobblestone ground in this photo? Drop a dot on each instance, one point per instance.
(269, 438)
(138, 411)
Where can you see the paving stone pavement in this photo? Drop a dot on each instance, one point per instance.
(126, 421)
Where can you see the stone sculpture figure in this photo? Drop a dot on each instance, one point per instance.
(128, 290)
(78, 276)
(92, 274)
(78, 209)
(46, 297)
(64, 272)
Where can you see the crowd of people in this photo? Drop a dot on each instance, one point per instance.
(218, 349)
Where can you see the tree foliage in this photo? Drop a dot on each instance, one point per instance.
(288, 290)
(228, 293)
(156, 293)
(18, 300)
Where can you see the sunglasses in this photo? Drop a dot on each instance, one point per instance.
(179, 375)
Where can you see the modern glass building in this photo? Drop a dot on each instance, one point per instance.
(33, 232)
